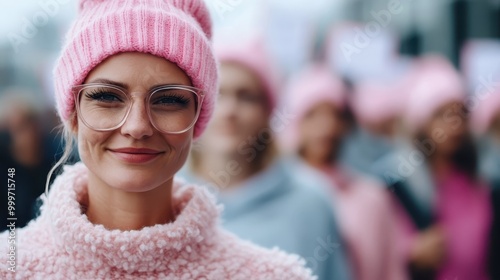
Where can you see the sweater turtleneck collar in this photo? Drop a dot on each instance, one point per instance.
(148, 249)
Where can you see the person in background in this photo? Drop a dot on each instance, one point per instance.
(135, 83)
(263, 201)
(445, 208)
(377, 109)
(28, 147)
(363, 208)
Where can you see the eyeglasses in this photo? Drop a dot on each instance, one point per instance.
(172, 109)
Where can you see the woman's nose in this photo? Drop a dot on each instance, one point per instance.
(138, 125)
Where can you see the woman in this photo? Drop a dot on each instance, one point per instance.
(135, 84)
(28, 149)
(447, 211)
(262, 201)
(317, 100)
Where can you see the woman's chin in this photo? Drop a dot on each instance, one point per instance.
(134, 185)
(132, 179)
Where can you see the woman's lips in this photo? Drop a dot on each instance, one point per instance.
(135, 155)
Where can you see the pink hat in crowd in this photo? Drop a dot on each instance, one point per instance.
(485, 112)
(178, 30)
(374, 102)
(253, 55)
(435, 83)
(316, 84)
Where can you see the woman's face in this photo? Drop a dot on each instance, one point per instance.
(241, 113)
(321, 131)
(447, 128)
(385, 128)
(26, 134)
(112, 157)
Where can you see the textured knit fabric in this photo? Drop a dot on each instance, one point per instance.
(282, 207)
(253, 55)
(177, 30)
(362, 207)
(63, 244)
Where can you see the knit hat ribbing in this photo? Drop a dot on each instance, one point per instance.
(177, 30)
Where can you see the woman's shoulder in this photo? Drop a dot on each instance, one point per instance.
(373, 194)
(245, 260)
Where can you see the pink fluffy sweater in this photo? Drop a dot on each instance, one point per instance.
(62, 244)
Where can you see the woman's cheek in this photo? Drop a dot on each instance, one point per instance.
(178, 147)
(256, 120)
(90, 145)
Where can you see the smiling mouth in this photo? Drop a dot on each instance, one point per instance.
(134, 155)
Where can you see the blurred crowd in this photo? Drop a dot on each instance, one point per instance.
(387, 172)
(409, 164)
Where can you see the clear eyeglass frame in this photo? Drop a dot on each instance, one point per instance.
(200, 95)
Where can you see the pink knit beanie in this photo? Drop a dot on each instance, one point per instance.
(315, 85)
(253, 55)
(435, 83)
(374, 102)
(177, 30)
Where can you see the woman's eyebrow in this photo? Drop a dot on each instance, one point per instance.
(125, 86)
(106, 81)
(166, 85)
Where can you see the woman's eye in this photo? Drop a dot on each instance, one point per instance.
(172, 99)
(249, 97)
(104, 97)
